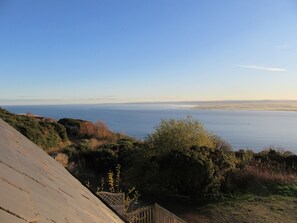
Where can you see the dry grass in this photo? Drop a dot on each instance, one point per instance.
(62, 158)
(247, 209)
(259, 173)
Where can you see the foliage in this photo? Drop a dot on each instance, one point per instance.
(170, 163)
(179, 158)
(141, 169)
(114, 186)
(198, 172)
(283, 160)
(72, 125)
(110, 176)
(44, 132)
(85, 129)
(180, 134)
(100, 160)
(220, 143)
(266, 168)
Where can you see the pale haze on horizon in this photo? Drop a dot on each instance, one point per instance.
(70, 51)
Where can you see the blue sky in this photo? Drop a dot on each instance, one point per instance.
(69, 51)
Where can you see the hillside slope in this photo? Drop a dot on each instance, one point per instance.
(44, 132)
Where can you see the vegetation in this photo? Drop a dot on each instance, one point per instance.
(194, 163)
(85, 129)
(113, 180)
(72, 125)
(180, 134)
(180, 159)
(44, 132)
(241, 208)
(50, 134)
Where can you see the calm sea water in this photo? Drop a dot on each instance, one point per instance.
(242, 129)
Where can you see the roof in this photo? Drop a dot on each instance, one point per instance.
(36, 188)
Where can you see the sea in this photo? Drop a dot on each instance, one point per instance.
(255, 130)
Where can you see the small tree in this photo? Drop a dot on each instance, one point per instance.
(180, 134)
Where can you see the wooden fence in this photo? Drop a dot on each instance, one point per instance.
(153, 214)
(115, 200)
(141, 215)
(150, 214)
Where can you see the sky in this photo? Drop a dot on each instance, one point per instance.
(110, 51)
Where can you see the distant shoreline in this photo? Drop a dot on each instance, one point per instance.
(228, 105)
(248, 105)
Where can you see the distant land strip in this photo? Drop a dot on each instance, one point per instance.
(247, 105)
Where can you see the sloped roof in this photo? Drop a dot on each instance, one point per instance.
(36, 188)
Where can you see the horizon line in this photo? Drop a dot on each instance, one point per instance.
(149, 102)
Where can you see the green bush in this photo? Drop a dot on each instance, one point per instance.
(99, 161)
(182, 158)
(180, 134)
(72, 125)
(199, 172)
(43, 133)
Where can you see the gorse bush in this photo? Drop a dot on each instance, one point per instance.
(46, 134)
(72, 125)
(99, 160)
(85, 129)
(180, 134)
(102, 158)
(182, 158)
(197, 172)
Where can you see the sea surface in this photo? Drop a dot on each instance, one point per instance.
(242, 129)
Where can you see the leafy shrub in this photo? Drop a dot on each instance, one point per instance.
(97, 160)
(199, 172)
(42, 132)
(72, 125)
(181, 158)
(85, 129)
(180, 134)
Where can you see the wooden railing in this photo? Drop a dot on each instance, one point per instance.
(115, 200)
(162, 215)
(141, 215)
(153, 214)
(150, 214)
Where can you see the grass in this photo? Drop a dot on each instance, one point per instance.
(274, 208)
(276, 203)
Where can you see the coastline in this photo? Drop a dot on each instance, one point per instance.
(285, 106)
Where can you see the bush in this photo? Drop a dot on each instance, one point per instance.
(46, 134)
(85, 129)
(180, 134)
(99, 160)
(198, 172)
(264, 169)
(182, 158)
(72, 125)
(257, 175)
